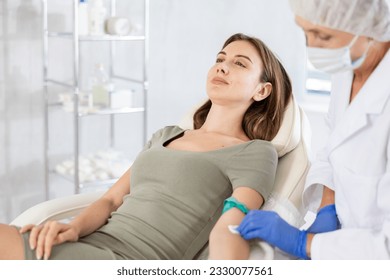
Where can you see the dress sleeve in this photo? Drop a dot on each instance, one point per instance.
(155, 136)
(254, 167)
(161, 135)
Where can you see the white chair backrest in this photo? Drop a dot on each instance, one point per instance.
(289, 134)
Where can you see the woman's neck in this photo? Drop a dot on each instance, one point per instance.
(225, 120)
(375, 55)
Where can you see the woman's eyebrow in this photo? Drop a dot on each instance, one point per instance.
(221, 52)
(244, 56)
(238, 55)
(316, 31)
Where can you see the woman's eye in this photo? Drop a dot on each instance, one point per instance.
(219, 60)
(240, 64)
(324, 37)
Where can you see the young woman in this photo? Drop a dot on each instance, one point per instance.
(166, 204)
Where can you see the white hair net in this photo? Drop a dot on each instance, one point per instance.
(369, 18)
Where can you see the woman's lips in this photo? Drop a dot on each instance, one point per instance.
(219, 81)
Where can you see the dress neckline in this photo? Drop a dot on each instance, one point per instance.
(181, 134)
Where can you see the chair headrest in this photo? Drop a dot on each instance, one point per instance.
(286, 139)
(289, 134)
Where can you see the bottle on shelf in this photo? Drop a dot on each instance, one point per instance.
(96, 17)
(101, 87)
(83, 17)
(118, 26)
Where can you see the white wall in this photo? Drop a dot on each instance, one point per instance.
(185, 36)
(21, 133)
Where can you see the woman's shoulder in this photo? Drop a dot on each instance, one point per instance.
(260, 148)
(255, 155)
(167, 132)
(260, 144)
(171, 130)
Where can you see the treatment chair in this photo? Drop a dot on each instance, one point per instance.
(291, 142)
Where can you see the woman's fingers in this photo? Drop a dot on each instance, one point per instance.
(34, 233)
(68, 234)
(44, 237)
(56, 234)
(32, 240)
(50, 240)
(40, 248)
(26, 228)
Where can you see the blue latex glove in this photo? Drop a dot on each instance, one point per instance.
(270, 227)
(326, 220)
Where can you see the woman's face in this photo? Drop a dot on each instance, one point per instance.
(322, 37)
(235, 76)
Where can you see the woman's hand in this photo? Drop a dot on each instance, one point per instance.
(44, 237)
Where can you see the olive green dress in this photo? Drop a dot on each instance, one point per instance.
(176, 198)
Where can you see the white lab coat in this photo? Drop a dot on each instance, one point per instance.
(356, 164)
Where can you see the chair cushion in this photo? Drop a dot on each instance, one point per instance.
(287, 137)
(289, 134)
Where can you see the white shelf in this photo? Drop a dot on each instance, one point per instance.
(85, 112)
(110, 111)
(74, 87)
(107, 37)
(90, 184)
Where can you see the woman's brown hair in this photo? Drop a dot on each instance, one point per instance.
(263, 118)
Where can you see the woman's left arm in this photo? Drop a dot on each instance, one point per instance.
(223, 244)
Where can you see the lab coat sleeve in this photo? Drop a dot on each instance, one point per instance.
(359, 243)
(352, 244)
(320, 172)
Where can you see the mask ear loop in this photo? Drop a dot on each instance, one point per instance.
(368, 46)
(353, 41)
(360, 60)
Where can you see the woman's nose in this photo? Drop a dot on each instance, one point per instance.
(311, 41)
(222, 67)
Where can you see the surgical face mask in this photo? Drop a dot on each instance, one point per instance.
(335, 60)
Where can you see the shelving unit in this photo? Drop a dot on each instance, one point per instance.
(74, 85)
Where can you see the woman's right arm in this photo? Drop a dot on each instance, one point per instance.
(43, 237)
(97, 214)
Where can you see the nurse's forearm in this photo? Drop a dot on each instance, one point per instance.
(308, 244)
(327, 197)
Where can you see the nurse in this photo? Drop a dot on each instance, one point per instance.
(349, 183)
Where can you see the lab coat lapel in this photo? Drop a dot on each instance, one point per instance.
(370, 100)
(353, 120)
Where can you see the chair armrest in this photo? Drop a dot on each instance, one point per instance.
(56, 209)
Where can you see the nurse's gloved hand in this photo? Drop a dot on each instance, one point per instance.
(326, 220)
(270, 227)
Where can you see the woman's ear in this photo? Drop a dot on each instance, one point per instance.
(262, 91)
